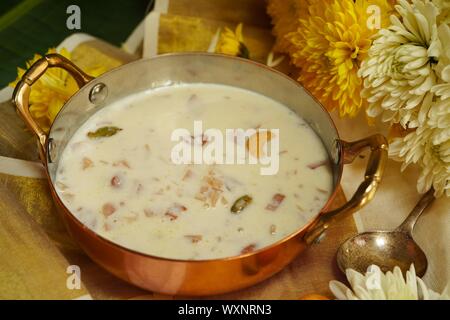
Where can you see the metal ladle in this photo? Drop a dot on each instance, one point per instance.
(387, 249)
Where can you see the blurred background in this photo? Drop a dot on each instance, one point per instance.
(32, 26)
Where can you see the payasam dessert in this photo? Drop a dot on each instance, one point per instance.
(124, 174)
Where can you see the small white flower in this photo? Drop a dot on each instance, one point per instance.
(375, 285)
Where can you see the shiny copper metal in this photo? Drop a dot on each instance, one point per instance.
(206, 277)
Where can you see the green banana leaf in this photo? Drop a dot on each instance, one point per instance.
(32, 26)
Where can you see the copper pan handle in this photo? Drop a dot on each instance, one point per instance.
(374, 171)
(22, 90)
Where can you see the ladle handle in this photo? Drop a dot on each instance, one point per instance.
(408, 225)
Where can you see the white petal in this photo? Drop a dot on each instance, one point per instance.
(338, 289)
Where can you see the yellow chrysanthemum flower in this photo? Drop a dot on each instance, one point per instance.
(285, 19)
(329, 47)
(51, 91)
(232, 43)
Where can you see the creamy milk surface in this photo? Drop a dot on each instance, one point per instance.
(117, 174)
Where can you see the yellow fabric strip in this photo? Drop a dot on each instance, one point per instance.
(31, 266)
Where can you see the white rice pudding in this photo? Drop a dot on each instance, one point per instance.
(116, 175)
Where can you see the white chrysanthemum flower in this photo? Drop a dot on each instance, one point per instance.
(407, 81)
(399, 71)
(430, 148)
(439, 115)
(429, 145)
(375, 285)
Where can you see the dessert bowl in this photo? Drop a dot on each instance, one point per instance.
(195, 277)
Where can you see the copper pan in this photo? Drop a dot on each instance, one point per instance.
(184, 277)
